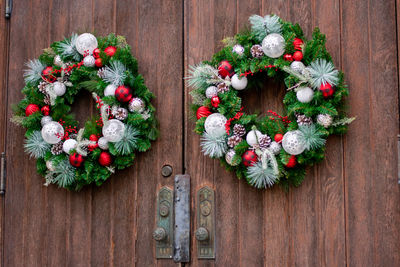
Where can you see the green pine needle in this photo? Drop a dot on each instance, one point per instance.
(67, 48)
(261, 178)
(262, 26)
(311, 137)
(128, 142)
(213, 146)
(35, 146)
(202, 76)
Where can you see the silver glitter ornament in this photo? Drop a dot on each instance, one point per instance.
(103, 143)
(324, 120)
(211, 92)
(113, 130)
(86, 43)
(215, 124)
(58, 61)
(136, 104)
(45, 119)
(275, 148)
(305, 94)
(297, 66)
(273, 45)
(229, 156)
(292, 143)
(238, 49)
(89, 61)
(59, 88)
(52, 132)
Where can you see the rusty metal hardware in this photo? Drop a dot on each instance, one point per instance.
(8, 8)
(166, 171)
(182, 218)
(164, 232)
(205, 233)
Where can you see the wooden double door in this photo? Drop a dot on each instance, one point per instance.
(346, 213)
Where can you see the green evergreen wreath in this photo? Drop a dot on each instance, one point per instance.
(104, 66)
(272, 149)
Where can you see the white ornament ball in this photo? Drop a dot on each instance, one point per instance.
(252, 137)
(215, 124)
(86, 43)
(324, 120)
(113, 130)
(305, 94)
(238, 49)
(238, 83)
(229, 157)
(297, 66)
(273, 45)
(59, 88)
(52, 132)
(45, 119)
(292, 144)
(89, 61)
(275, 148)
(50, 166)
(103, 143)
(136, 104)
(58, 61)
(110, 90)
(211, 92)
(69, 145)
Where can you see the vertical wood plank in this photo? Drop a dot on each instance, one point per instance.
(372, 192)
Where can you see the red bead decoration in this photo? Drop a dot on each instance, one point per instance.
(45, 110)
(288, 57)
(225, 69)
(76, 160)
(47, 71)
(30, 109)
(327, 90)
(203, 112)
(298, 43)
(292, 162)
(98, 63)
(123, 93)
(278, 138)
(215, 101)
(96, 53)
(249, 158)
(105, 159)
(298, 55)
(110, 51)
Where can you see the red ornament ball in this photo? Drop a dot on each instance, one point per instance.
(76, 160)
(45, 110)
(225, 69)
(110, 51)
(327, 90)
(47, 71)
(298, 43)
(288, 57)
(215, 101)
(98, 62)
(123, 93)
(105, 159)
(278, 138)
(292, 162)
(249, 158)
(203, 112)
(30, 109)
(96, 53)
(93, 137)
(298, 55)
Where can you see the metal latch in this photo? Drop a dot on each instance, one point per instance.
(3, 174)
(205, 233)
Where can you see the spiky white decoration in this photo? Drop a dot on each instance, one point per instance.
(34, 71)
(115, 73)
(311, 137)
(128, 142)
(213, 146)
(344, 121)
(202, 75)
(35, 146)
(197, 97)
(68, 49)
(323, 72)
(262, 26)
(82, 143)
(64, 174)
(260, 177)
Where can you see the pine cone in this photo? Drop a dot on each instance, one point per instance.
(234, 140)
(324, 120)
(264, 141)
(46, 99)
(256, 51)
(303, 120)
(222, 88)
(120, 113)
(100, 72)
(57, 149)
(42, 87)
(239, 130)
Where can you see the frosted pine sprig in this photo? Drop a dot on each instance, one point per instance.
(322, 72)
(202, 75)
(262, 26)
(311, 137)
(67, 48)
(115, 73)
(64, 174)
(128, 142)
(35, 146)
(260, 177)
(34, 71)
(213, 146)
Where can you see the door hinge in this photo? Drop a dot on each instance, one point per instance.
(3, 173)
(9, 4)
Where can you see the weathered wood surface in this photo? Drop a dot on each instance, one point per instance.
(345, 213)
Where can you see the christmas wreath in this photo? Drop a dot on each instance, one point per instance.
(271, 149)
(104, 66)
